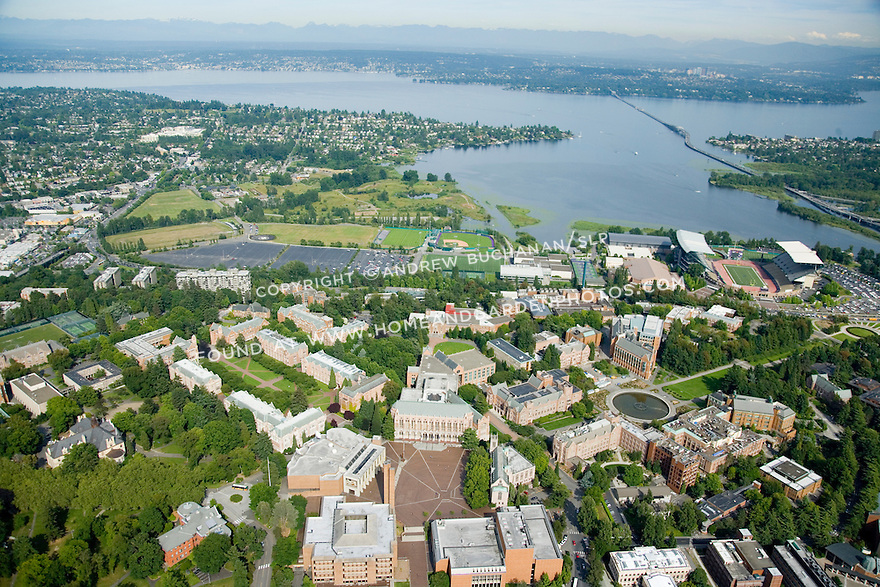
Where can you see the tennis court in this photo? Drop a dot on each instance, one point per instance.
(73, 323)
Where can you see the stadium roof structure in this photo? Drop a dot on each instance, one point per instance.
(693, 242)
(800, 253)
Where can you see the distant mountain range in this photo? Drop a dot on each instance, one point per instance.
(176, 34)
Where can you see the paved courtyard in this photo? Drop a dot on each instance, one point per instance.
(429, 484)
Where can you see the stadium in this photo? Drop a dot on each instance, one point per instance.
(794, 269)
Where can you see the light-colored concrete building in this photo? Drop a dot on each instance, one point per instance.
(237, 332)
(350, 543)
(98, 375)
(629, 566)
(146, 277)
(546, 393)
(369, 389)
(798, 481)
(111, 277)
(515, 545)
(338, 461)
(320, 365)
(192, 374)
(33, 392)
(238, 280)
(281, 348)
(285, 431)
(158, 344)
(30, 355)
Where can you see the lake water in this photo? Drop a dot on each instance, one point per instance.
(621, 167)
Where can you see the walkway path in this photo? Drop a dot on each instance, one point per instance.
(246, 371)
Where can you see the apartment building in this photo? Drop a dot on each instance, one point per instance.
(111, 277)
(238, 280)
(146, 277)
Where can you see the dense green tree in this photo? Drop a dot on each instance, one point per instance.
(82, 458)
(477, 479)
(145, 556)
(212, 552)
(62, 412)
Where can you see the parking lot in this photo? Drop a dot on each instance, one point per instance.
(330, 259)
(371, 263)
(865, 290)
(237, 253)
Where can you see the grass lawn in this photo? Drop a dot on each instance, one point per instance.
(404, 238)
(251, 380)
(517, 216)
(843, 336)
(327, 233)
(860, 332)
(36, 334)
(554, 423)
(449, 347)
(171, 203)
(112, 578)
(775, 356)
(169, 236)
(696, 387)
(285, 385)
(171, 447)
(746, 276)
(470, 240)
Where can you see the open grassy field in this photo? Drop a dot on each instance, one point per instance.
(517, 216)
(454, 239)
(488, 266)
(700, 386)
(36, 334)
(327, 233)
(404, 237)
(449, 347)
(171, 203)
(392, 197)
(742, 275)
(157, 238)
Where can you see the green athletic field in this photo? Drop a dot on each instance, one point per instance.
(404, 238)
(472, 240)
(744, 276)
(488, 267)
(25, 337)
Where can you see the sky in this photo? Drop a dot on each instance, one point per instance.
(833, 22)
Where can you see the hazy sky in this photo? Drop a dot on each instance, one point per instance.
(855, 22)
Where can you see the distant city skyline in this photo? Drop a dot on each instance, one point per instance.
(853, 22)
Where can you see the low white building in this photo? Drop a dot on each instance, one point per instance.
(285, 431)
(628, 566)
(192, 374)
